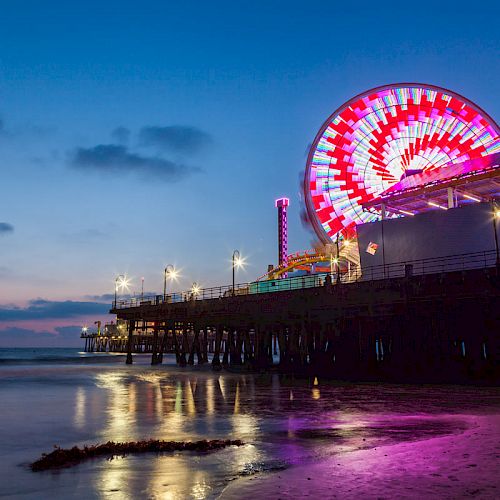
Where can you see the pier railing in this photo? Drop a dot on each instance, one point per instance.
(452, 263)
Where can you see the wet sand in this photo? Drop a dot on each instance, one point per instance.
(461, 465)
(390, 440)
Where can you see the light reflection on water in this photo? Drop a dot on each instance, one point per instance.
(80, 407)
(282, 422)
(316, 394)
(113, 480)
(183, 407)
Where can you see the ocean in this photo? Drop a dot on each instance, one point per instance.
(65, 397)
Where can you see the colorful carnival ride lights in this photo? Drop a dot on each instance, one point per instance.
(381, 137)
(473, 181)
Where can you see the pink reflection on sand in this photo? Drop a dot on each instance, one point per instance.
(463, 463)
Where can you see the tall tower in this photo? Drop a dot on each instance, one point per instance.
(282, 204)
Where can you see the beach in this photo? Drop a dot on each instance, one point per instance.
(328, 440)
(462, 465)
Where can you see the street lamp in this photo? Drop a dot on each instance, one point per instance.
(120, 281)
(496, 216)
(237, 263)
(195, 290)
(172, 274)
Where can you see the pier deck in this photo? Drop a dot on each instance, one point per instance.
(429, 321)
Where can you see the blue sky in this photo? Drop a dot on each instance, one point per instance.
(138, 134)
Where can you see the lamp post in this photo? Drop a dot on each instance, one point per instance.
(142, 288)
(236, 262)
(119, 277)
(337, 258)
(496, 215)
(170, 270)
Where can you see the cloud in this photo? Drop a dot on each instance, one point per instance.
(65, 336)
(121, 135)
(6, 228)
(45, 309)
(111, 158)
(105, 297)
(108, 298)
(85, 236)
(177, 139)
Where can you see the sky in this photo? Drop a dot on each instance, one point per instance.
(139, 134)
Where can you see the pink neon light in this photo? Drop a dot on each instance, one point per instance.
(282, 202)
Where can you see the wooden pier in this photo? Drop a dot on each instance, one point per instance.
(104, 342)
(142, 341)
(419, 326)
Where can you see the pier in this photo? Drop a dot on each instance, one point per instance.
(428, 320)
(142, 341)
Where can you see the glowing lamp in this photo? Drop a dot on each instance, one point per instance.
(195, 289)
(432, 204)
(470, 197)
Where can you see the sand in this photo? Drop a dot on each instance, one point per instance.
(465, 464)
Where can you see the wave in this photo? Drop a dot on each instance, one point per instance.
(20, 356)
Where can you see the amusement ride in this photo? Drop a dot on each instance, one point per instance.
(392, 151)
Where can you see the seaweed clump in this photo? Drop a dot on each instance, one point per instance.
(61, 457)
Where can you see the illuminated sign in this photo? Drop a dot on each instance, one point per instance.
(372, 248)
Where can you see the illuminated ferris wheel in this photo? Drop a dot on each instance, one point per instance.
(382, 136)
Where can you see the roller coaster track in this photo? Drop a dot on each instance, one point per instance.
(347, 253)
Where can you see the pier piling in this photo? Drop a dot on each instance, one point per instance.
(441, 327)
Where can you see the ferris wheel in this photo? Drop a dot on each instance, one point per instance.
(381, 136)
